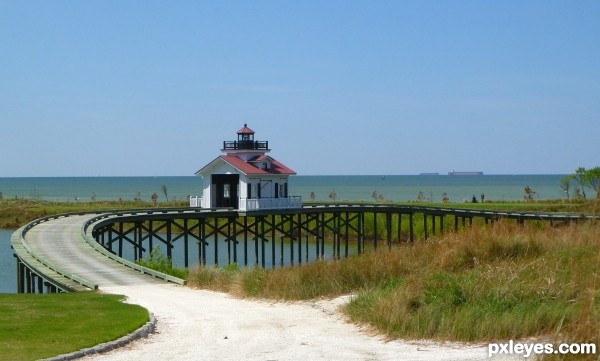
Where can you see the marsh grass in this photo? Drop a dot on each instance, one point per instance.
(157, 261)
(15, 213)
(486, 283)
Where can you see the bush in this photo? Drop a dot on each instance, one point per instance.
(161, 263)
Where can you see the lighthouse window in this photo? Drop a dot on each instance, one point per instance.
(226, 190)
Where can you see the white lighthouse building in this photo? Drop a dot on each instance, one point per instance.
(244, 177)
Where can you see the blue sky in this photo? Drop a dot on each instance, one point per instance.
(136, 88)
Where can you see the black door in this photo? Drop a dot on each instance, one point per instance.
(226, 190)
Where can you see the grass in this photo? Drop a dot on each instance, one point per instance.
(487, 283)
(16, 212)
(161, 263)
(41, 326)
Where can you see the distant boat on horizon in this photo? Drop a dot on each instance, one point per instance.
(429, 173)
(453, 172)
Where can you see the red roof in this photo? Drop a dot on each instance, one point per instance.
(245, 130)
(250, 169)
(259, 158)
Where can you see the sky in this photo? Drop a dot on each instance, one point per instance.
(153, 88)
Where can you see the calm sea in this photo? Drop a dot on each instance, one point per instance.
(351, 188)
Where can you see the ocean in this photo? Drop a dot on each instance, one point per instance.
(399, 188)
(351, 188)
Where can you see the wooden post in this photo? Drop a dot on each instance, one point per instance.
(375, 230)
(361, 231)
(245, 240)
(40, 284)
(27, 280)
(411, 229)
(228, 241)
(169, 240)
(322, 225)
(150, 235)
(262, 240)
(388, 221)
(282, 248)
(20, 272)
(120, 239)
(137, 240)
(399, 227)
(202, 245)
(256, 240)
(186, 255)
(347, 236)
(216, 241)
(298, 235)
(337, 234)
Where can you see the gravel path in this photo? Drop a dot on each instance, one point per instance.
(204, 325)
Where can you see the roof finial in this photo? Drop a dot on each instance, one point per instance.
(245, 125)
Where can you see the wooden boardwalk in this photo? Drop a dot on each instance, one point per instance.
(74, 252)
(59, 242)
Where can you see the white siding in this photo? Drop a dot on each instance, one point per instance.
(265, 182)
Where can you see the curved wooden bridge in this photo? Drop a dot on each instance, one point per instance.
(83, 251)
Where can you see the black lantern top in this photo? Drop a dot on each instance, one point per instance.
(246, 141)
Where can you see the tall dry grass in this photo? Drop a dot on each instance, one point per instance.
(489, 283)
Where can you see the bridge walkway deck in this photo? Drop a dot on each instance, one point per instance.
(60, 241)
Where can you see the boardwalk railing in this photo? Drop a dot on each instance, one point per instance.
(34, 272)
(252, 204)
(86, 233)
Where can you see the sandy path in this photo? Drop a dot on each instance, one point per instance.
(203, 325)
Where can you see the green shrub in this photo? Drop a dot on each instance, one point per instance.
(157, 261)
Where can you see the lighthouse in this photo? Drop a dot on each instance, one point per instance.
(245, 177)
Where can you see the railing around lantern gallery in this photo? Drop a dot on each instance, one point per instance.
(245, 145)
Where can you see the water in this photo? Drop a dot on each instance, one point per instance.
(276, 254)
(350, 188)
(407, 188)
(8, 268)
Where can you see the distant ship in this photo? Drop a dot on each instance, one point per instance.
(453, 172)
(429, 173)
